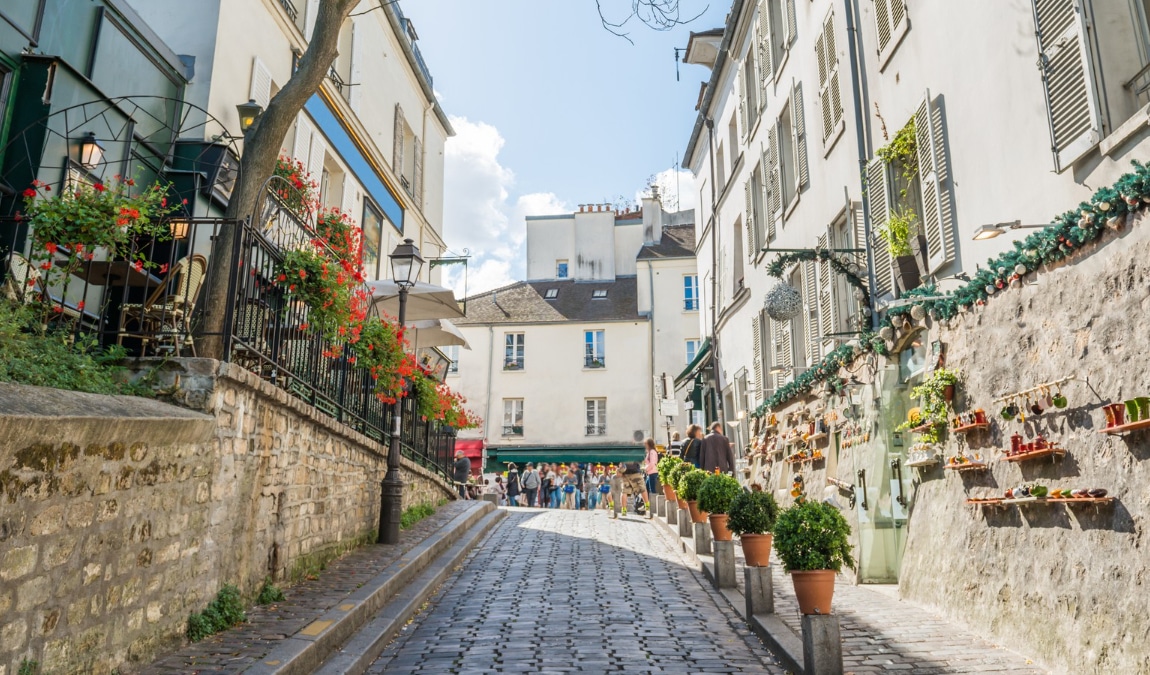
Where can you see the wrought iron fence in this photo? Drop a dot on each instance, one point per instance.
(596, 429)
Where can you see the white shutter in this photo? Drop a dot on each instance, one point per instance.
(821, 57)
(782, 330)
(776, 178)
(310, 14)
(315, 158)
(882, 22)
(749, 220)
(417, 179)
(741, 84)
(792, 23)
(757, 339)
(353, 70)
(766, 51)
(799, 125)
(826, 292)
(892, 23)
(398, 130)
(1067, 77)
(830, 100)
(349, 202)
(768, 210)
(937, 214)
(879, 202)
(302, 143)
(261, 85)
(810, 306)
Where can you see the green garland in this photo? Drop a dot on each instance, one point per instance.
(779, 265)
(1066, 234)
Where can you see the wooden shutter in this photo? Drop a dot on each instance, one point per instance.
(824, 73)
(417, 179)
(1071, 96)
(891, 22)
(302, 143)
(315, 157)
(348, 202)
(882, 22)
(768, 211)
(879, 202)
(799, 125)
(830, 100)
(937, 214)
(749, 219)
(741, 84)
(782, 330)
(400, 127)
(261, 85)
(757, 339)
(776, 177)
(810, 306)
(792, 23)
(766, 52)
(826, 291)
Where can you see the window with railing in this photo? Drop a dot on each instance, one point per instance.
(596, 417)
(512, 417)
(594, 351)
(513, 351)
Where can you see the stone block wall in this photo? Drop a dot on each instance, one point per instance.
(119, 516)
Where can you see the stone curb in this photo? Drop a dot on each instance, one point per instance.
(783, 642)
(307, 649)
(365, 646)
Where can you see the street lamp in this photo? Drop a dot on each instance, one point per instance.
(249, 114)
(985, 232)
(405, 265)
(91, 152)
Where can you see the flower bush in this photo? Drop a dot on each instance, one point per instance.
(338, 231)
(302, 194)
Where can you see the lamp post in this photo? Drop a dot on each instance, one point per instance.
(405, 266)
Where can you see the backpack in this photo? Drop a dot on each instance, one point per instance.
(632, 467)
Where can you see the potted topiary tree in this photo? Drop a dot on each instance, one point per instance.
(812, 541)
(752, 516)
(673, 475)
(688, 490)
(715, 497)
(664, 466)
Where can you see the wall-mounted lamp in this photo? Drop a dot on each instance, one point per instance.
(178, 228)
(91, 152)
(249, 114)
(779, 370)
(991, 231)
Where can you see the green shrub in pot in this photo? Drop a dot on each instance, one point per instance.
(675, 473)
(689, 483)
(664, 466)
(812, 535)
(752, 513)
(717, 492)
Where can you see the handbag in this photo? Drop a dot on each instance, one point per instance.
(568, 489)
(604, 488)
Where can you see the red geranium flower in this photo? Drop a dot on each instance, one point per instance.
(50, 247)
(29, 193)
(99, 187)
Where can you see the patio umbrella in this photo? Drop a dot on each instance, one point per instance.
(435, 333)
(424, 301)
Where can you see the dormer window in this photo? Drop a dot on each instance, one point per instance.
(551, 293)
(600, 293)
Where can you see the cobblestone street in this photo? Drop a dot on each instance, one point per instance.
(572, 591)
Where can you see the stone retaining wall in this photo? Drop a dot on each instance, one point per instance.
(119, 516)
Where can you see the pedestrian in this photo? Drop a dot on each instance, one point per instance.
(693, 445)
(570, 486)
(556, 476)
(530, 483)
(605, 486)
(652, 466)
(512, 485)
(593, 479)
(500, 490)
(461, 471)
(716, 452)
(616, 488)
(676, 447)
(633, 482)
(580, 486)
(545, 478)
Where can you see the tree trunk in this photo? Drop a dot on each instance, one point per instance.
(261, 150)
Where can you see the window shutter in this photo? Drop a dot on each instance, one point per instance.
(417, 180)
(741, 84)
(882, 22)
(353, 72)
(782, 330)
(302, 143)
(879, 201)
(757, 340)
(315, 158)
(760, 71)
(799, 124)
(776, 177)
(749, 220)
(397, 141)
(348, 203)
(769, 215)
(261, 86)
(310, 13)
(765, 50)
(891, 22)
(824, 75)
(811, 304)
(830, 101)
(792, 23)
(826, 292)
(1071, 98)
(937, 213)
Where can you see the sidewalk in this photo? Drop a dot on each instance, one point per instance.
(235, 650)
(882, 633)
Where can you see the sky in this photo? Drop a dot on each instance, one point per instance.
(551, 111)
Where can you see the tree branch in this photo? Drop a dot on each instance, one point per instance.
(660, 15)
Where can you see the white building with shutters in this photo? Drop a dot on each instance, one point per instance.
(795, 111)
(372, 137)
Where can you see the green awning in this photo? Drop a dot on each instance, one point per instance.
(599, 454)
(696, 363)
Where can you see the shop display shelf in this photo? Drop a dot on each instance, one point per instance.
(1126, 428)
(925, 462)
(968, 466)
(970, 427)
(1037, 454)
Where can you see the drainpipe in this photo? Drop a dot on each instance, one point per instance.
(490, 374)
(862, 136)
(651, 334)
(714, 278)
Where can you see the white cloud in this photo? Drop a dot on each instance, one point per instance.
(478, 214)
(677, 187)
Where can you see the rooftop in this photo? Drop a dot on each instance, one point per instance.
(526, 302)
(678, 241)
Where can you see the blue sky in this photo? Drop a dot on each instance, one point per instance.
(551, 111)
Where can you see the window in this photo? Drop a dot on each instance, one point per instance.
(452, 352)
(733, 141)
(599, 293)
(561, 269)
(737, 257)
(891, 22)
(798, 325)
(692, 349)
(596, 416)
(5, 87)
(787, 156)
(594, 355)
(513, 352)
(776, 33)
(750, 91)
(691, 292)
(340, 71)
(830, 100)
(407, 157)
(756, 217)
(551, 293)
(372, 238)
(512, 417)
(762, 342)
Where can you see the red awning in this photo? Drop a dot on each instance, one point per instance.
(473, 450)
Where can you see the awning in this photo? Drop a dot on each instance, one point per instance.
(700, 358)
(598, 454)
(473, 450)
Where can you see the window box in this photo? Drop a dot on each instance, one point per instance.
(590, 362)
(512, 430)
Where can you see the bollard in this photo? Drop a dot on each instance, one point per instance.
(724, 564)
(822, 647)
(759, 591)
(684, 523)
(672, 513)
(702, 538)
(660, 505)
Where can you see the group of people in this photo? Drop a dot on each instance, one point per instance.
(595, 486)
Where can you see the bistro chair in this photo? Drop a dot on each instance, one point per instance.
(164, 316)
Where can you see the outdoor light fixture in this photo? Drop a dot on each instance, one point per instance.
(779, 370)
(178, 228)
(405, 265)
(91, 152)
(249, 114)
(991, 231)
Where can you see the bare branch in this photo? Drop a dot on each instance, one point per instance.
(660, 15)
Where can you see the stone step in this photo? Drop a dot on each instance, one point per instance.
(306, 650)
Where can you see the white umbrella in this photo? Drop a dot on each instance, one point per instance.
(435, 333)
(424, 301)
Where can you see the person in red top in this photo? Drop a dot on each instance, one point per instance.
(650, 464)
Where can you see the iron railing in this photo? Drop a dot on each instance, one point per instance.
(594, 362)
(596, 429)
(512, 429)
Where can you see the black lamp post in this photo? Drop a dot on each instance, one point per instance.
(405, 266)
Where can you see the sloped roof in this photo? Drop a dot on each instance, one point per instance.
(677, 242)
(525, 302)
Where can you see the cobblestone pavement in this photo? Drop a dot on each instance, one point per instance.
(234, 650)
(572, 591)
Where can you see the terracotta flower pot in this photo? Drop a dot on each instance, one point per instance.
(669, 492)
(682, 502)
(948, 392)
(697, 516)
(719, 529)
(814, 590)
(757, 549)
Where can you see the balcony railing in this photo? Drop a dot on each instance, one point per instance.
(336, 79)
(409, 33)
(512, 429)
(596, 429)
(594, 362)
(289, 7)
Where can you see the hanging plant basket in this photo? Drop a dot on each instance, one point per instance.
(783, 302)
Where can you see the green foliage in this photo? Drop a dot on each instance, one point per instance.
(29, 667)
(46, 355)
(689, 483)
(664, 466)
(932, 404)
(813, 536)
(900, 228)
(269, 593)
(840, 264)
(675, 473)
(902, 152)
(752, 513)
(827, 370)
(415, 514)
(221, 614)
(717, 492)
